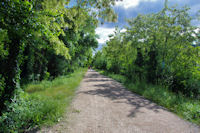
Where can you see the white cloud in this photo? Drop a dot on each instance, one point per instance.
(103, 34)
(130, 3)
(197, 30)
(123, 30)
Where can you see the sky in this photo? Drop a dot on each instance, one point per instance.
(127, 9)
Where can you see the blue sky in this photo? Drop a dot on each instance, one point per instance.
(131, 8)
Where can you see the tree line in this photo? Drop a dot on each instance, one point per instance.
(159, 48)
(43, 39)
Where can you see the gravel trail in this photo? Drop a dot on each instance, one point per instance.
(102, 105)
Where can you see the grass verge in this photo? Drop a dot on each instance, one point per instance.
(42, 103)
(184, 107)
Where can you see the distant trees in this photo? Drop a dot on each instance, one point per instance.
(156, 48)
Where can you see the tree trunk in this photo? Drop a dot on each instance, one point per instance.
(11, 73)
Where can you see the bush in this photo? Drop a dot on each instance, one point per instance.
(19, 114)
(42, 103)
(27, 112)
(191, 111)
(187, 83)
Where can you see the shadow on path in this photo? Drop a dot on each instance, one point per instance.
(108, 88)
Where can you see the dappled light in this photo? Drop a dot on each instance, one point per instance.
(103, 105)
(99, 66)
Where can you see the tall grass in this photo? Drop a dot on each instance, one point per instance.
(42, 103)
(186, 108)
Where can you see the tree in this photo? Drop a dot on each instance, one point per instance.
(158, 48)
(34, 33)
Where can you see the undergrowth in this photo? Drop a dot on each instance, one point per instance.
(186, 108)
(42, 103)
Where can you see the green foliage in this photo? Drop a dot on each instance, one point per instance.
(16, 22)
(41, 103)
(2, 84)
(3, 40)
(44, 39)
(99, 62)
(26, 112)
(40, 40)
(156, 58)
(103, 9)
(156, 48)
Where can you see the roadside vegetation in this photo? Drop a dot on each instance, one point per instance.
(158, 56)
(42, 103)
(41, 40)
(186, 108)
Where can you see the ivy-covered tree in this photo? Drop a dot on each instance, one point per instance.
(46, 38)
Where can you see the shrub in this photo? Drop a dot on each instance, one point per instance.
(187, 83)
(41, 103)
(27, 112)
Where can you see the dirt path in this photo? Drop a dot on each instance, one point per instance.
(102, 105)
